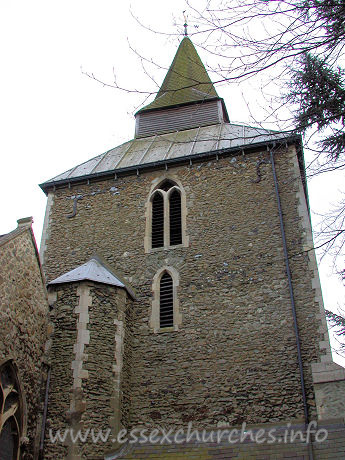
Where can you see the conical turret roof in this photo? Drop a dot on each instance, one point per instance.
(186, 82)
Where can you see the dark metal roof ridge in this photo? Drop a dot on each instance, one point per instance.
(237, 150)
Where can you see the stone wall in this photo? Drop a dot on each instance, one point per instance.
(24, 320)
(90, 344)
(61, 356)
(260, 442)
(234, 357)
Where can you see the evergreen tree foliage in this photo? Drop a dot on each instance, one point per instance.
(319, 92)
(332, 15)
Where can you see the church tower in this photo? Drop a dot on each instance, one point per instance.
(184, 288)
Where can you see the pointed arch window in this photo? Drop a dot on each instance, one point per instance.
(166, 219)
(165, 315)
(11, 412)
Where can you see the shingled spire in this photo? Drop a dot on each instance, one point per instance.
(186, 99)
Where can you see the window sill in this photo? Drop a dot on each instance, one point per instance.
(167, 248)
(166, 329)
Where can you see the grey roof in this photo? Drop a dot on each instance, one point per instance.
(179, 144)
(93, 270)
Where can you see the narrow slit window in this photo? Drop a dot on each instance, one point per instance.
(175, 218)
(166, 301)
(157, 221)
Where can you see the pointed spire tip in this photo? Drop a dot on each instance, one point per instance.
(185, 24)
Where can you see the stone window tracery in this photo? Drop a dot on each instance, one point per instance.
(11, 412)
(166, 217)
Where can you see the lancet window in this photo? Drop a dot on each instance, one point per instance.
(167, 216)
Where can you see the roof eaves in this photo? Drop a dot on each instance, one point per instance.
(182, 104)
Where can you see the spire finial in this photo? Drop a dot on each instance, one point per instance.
(185, 24)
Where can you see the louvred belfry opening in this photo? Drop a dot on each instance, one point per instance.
(175, 218)
(166, 311)
(157, 221)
